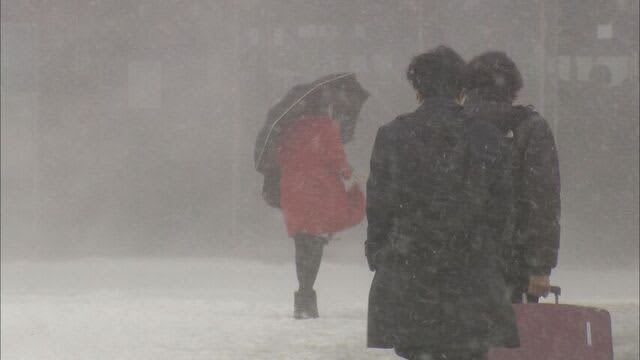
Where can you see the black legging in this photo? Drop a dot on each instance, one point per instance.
(308, 256)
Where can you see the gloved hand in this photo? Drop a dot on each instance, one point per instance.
(539, 285)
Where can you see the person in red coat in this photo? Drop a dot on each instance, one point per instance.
(314, 199)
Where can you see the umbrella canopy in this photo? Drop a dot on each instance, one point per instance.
(341, 94)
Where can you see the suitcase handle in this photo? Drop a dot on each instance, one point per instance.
(555, 290)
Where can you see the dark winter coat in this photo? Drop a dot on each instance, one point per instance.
(533, 249)
(438, 200)
(313, 165)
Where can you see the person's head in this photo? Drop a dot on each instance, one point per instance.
(336, 105)
(438, 72)
(494, 76)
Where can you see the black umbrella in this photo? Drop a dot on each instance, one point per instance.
(341, 92)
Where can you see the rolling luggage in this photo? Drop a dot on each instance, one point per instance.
(559, 332)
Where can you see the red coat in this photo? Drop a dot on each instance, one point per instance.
(313, 197)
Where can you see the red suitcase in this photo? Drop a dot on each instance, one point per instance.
(560, 332)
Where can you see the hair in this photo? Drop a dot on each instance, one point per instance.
(438, 72)
(494, 75)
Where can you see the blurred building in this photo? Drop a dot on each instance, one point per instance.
(130, 123)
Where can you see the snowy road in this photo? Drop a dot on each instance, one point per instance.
(220, 309)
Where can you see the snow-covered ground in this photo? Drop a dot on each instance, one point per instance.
(224, 309)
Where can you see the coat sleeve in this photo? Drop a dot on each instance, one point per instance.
(542, 199)
(380, 207)
(335, 155)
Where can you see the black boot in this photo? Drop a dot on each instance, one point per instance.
(305, 305)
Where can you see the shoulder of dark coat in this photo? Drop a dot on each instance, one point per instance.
(393, 128)
(400, 119)
(528, 114)
(532, 121)
(382, 136)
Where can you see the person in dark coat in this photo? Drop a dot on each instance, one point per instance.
(438, 199)
(492, 82)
